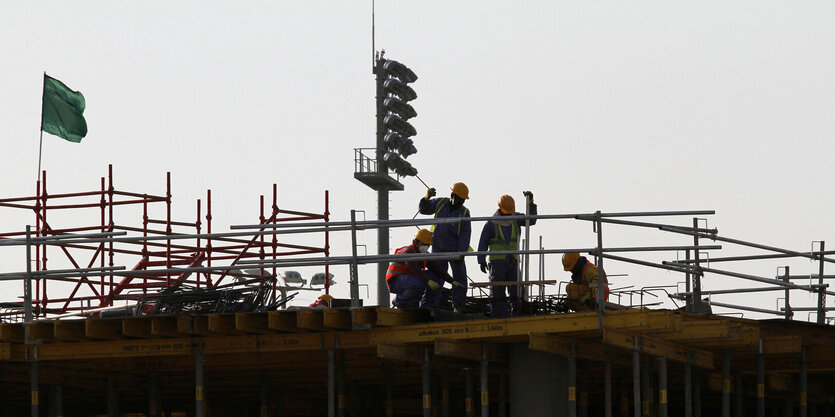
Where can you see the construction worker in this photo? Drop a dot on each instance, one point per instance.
(451, 237)
(409, 279)
(502, 235)
(584, 277)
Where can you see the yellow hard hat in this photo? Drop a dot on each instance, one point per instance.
(507, 204)
(424, 236)
(569, 259)
(460, 189)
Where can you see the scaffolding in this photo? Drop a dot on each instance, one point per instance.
(165, 254)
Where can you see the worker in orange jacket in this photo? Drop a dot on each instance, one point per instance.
(584, 276)
(415, 282)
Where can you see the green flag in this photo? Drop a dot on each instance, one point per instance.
(63, 111)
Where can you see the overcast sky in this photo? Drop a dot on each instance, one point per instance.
(592, 105)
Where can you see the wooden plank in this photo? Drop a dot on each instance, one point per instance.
(252, 323)
(781, 344)
(137, 327)
(103, 329)
(222, 324)
(363, 317)
(410, 353)
(41, 330)
(69, 330)
(12, 333)
(658, 347)
(337, 319)
(284, 321)
(689, 331)
(164, 326)
(397, 317)
(310, 319)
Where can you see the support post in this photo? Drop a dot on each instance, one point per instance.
(662, 386)
(153, 394)
(469, 406)
(583, 389)
(697, 277)
(803, 409)
(389, 390)
(265, 396)
(688, 302)
(355, 289)
(445, 392)
(331, 384)
(502, 395)
(624, 397)
(760, 381)
(340, 386)
(726, 383)
(789, 313)
(607, 395)
(738, 405)
(601, 274)
(697, 392)
(58, 400)
(485, 396)
(636, 378)
(427, 384)
(646, 404)
(572, 381)
(33, 388)
(112, 401)
(688, 390)
(199, 383)
(821, 291)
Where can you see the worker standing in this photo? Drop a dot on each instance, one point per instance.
(451, 237)
(584, 276)
(503, 235)
(409, 280)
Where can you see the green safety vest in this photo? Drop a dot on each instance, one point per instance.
(438, 208)
(498, 241)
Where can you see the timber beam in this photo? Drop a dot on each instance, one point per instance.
(658, 347)
(401, 352)
(561, 345)
(467, 350)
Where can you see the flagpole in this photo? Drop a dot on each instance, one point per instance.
(40, 145)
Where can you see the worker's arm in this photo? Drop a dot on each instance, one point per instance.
(441, 272)
(466, 232)
(486, 233)
(532, 213)
(428, 205)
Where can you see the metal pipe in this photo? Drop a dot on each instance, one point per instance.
(662, 386)
(583, 392)
(485, 396)
(58, 400)
(607, 387)
(199, 383)
(746, 308)
(726, 382)
(34, 389)
(803, 408)
(112, 393)
(697, 278)
(445, 392)
(646, 393)
(821, 293)
(572, 381)
(427, 384)
(340, 386)
(761, 279)
(788, 310)
(736, 291)
(355, 289)
(697, 392)
(502, 394)
(688, 390)
(636, 378)
(760, 381)
(331, 384)
(382, 246)
(738, 404)
(27, 288)
(468, 388)
(389, 375)
(601, 274)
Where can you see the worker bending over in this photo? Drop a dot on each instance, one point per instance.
(503, 235)
(584, 277)
(451, 237)
(410, 279)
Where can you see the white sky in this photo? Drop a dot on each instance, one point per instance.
(593, 105)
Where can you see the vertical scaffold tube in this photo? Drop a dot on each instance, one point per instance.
(265, 396)
(607, 396)
(112, 405)
(636, 379)
(33, 388)
(389, 390)
(726, 383)
(821, 291)
(468, 387)
(572, 381)
(583, 391)
(427, 384)
(688, 390)
(662, 386)
(646, 392)
(340, 386)
(502, 394)
(331, 384)
(199, 384)
(738, 406)
(485, 393)
(58, 400)
(445, 393)
(760, 381)
(803, 409)
(697, 392)
(153, 394)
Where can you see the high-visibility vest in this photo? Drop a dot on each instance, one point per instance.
(397, 268)
(498, 242)
(441, 205)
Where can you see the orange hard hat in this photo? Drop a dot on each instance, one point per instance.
(569, 259)
(507, 204)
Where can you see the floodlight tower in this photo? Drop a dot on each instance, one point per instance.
(394, 145)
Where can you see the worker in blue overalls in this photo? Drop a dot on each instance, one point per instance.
(450, 237)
